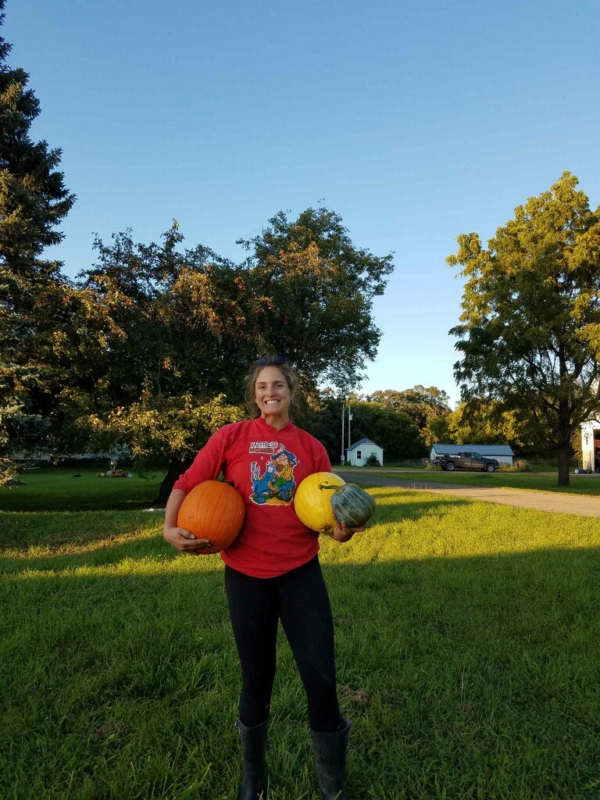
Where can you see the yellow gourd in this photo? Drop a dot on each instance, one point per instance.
(313, 503)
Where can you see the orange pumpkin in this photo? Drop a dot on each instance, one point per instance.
(212, 510)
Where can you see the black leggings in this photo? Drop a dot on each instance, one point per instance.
(299, 598)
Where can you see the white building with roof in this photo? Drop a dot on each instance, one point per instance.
(501, 452)
(590, 446)
(358, 453)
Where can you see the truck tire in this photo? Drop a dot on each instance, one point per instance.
(450, 466)
(489, 467)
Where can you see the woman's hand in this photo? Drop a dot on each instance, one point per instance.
(342, 533)
(184, 541)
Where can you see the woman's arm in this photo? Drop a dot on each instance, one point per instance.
(206, 466)
(181, 539)
(342, 533)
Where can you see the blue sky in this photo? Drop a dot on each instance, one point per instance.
(415, 122)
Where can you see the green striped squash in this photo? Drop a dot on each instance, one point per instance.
(352, 505)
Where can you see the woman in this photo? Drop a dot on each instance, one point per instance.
(272, 572)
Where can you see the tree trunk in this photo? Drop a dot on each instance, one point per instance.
(564, 453)
(176, 467)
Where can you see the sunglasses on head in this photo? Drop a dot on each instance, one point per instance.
(274, 361)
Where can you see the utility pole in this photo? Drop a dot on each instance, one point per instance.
(342, 458)
(349, 420)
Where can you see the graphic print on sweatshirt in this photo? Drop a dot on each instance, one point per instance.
(272, 474)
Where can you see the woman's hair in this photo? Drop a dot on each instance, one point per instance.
(286, 369)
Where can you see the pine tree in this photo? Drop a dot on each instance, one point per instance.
(33, 202)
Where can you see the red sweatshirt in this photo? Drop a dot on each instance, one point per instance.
(265, 466)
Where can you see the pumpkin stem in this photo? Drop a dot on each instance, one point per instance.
(334, 487)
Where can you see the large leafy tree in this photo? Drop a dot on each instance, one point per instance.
(184, 331)
(529, 331)
(420, 403)
(489, 422)
(33, 202)
(188, 324)
(186, 319)
(316, 291)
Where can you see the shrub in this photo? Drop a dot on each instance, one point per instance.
(520, 465)
(372, 461)
(8, 472)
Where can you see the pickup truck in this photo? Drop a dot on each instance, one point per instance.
(464, 460)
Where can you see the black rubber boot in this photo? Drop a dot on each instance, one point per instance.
(254, 748)
(330, 759)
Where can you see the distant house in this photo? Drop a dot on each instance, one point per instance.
(590, 446)
(360, 451)
(502, 452)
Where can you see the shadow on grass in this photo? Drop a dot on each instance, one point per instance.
(464, 677)
(389, 504)
(69, 504)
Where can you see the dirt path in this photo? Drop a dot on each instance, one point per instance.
(541, 501)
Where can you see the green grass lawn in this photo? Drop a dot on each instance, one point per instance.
(59, 490)
(580, 484)
(467, 644)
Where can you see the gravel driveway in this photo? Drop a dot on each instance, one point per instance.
(541, 501)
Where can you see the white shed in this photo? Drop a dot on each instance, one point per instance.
(590, 446)
(501, 452)
(360, 451)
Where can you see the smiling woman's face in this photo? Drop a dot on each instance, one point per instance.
(272, 393)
